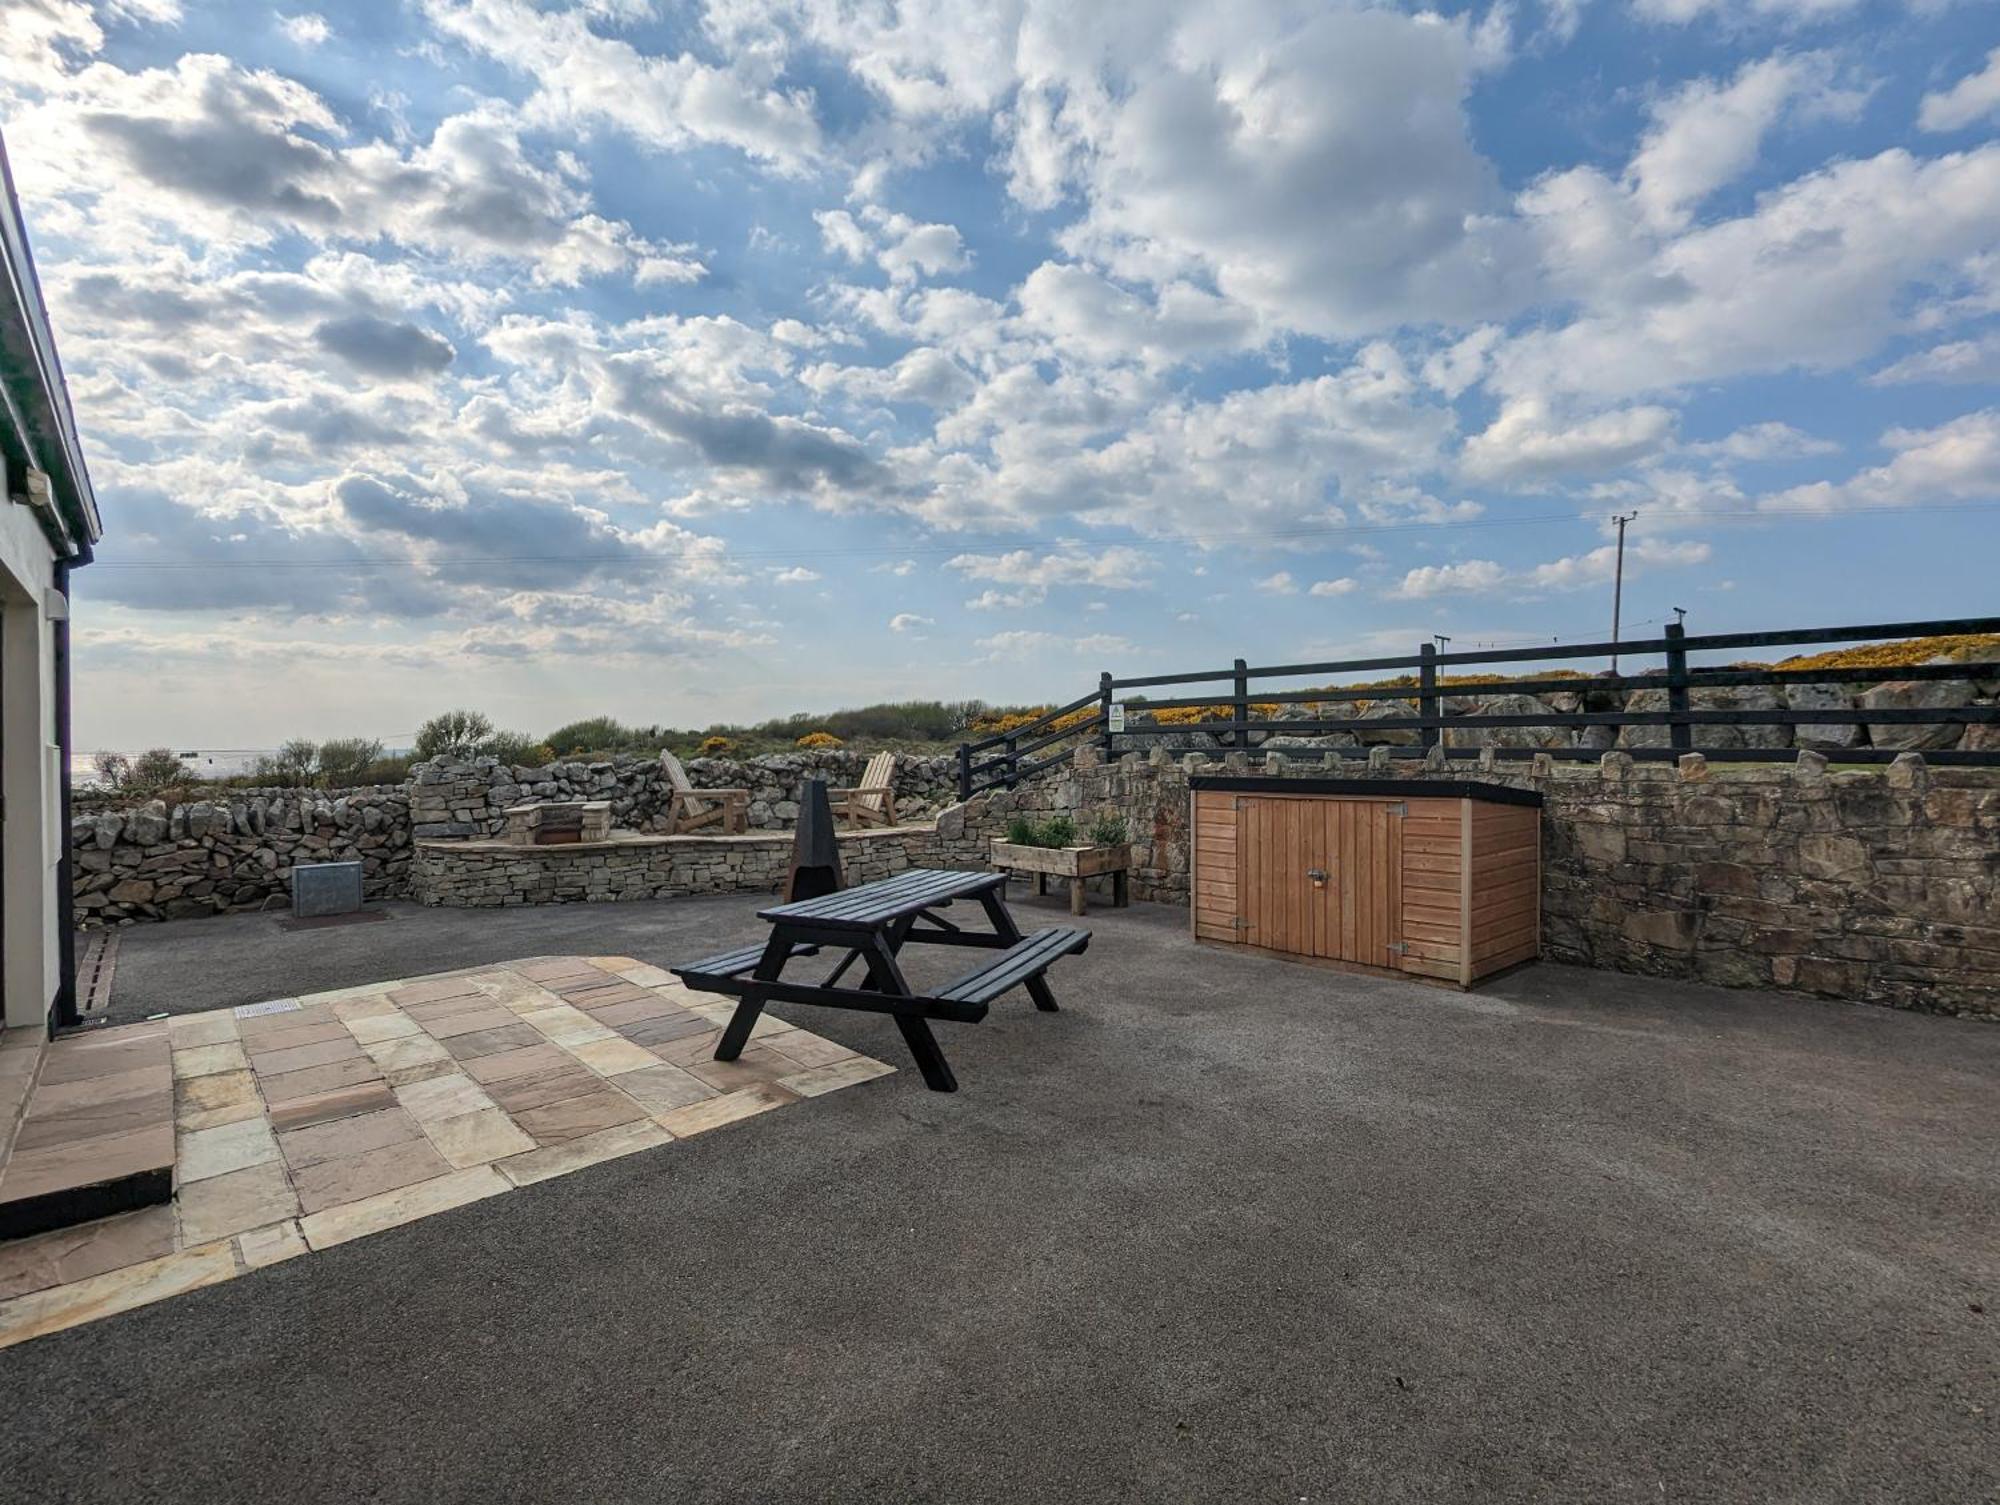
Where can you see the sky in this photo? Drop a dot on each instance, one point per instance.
(692, 362)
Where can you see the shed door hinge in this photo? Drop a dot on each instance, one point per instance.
(1399, 948)
(1239, 923)
(1399, 808)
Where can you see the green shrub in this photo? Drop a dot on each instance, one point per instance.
(344, 760)
(157, 767)
(1108, 830)
(1022, 833)
(1058, 831)
(510, 747)
(453, 734)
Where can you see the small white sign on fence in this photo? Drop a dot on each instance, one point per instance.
(1114, 721)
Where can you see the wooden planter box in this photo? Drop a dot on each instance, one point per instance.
(1433, 878)
(1073, 863)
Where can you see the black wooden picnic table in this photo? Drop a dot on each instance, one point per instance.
(871, 924)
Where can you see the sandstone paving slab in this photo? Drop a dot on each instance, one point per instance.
(477, 1138)
(314, 1080)
(576, 1117)
(298, 1057)
(350, 1178)
(202, 1153)
(347, 1136)
(222, 1205)
(336, 1103)
(376, 1123)
(507, 1064)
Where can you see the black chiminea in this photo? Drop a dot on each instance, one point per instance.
(815, 868)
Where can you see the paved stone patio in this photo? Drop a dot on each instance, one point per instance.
(301, 1123)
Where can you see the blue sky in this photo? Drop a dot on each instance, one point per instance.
(702, 361)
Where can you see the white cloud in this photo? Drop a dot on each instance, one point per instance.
(1974, 360)
(1344, 586)
(1764, 441)
(798, 574)
(1953, 462)
(1474, 577)
(1469, 577)
(1686, 12)
(1967, 102)
(1028, 643)
(1221, 145)
(904, 248)
(909, 621)
(1708, 133)
(1813, 277)
(1527, 443)
(308, 29)
(1084, 314)
(667, 103)
(1117, 567)
(1280, 584)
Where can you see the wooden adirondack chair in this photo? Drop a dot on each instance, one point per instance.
(872, 802)
(711, 812)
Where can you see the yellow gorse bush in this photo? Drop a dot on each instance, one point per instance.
(820, 739)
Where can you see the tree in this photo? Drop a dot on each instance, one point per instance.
(114, 770)
(344, 761)
(157, 767)
(453, 734)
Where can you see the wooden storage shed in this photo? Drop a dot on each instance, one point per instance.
(1436, 878)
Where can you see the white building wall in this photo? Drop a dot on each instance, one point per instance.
(30, 841)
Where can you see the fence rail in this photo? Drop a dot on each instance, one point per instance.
(1005, 758)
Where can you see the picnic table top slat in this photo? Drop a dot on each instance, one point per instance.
(876, 904)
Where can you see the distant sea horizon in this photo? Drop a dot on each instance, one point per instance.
(207, 762)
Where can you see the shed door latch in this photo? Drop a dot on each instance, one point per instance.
(1399, 948)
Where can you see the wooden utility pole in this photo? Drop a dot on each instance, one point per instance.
(1618, 584)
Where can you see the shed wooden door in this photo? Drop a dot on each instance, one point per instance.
(1353, 913)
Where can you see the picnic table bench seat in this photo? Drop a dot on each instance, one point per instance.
(1028, 957)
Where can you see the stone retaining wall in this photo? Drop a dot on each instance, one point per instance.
(207, 856)
(1901, 695)
(491, 874)
(1878, 887)
(467, 799)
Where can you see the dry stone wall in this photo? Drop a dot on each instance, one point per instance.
(1822, 736)
(1877, 886)
(156, 862)
(467, 799)
(481, 874)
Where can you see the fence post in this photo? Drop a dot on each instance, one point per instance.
(964, 771)
(1679, 734)
(1427, 699)
(1104, 713)
(1013, 761)
(1239, 737)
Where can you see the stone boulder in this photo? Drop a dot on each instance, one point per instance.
(1821, 697)
(1509, 736)
(1916, 695)
(1382, 710)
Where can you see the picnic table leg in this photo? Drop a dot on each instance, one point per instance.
(1077, 897)
(885, 976)
(1009, 932)
(777, 951)
(1121, 892)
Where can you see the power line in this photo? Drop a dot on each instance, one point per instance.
(1266, 535)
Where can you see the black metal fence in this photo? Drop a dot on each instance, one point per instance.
(1004, 759)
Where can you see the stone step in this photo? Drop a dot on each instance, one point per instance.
(96, 1132)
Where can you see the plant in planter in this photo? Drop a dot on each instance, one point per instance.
(1052, 849)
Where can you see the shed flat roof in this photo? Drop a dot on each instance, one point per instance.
(1438, 789)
